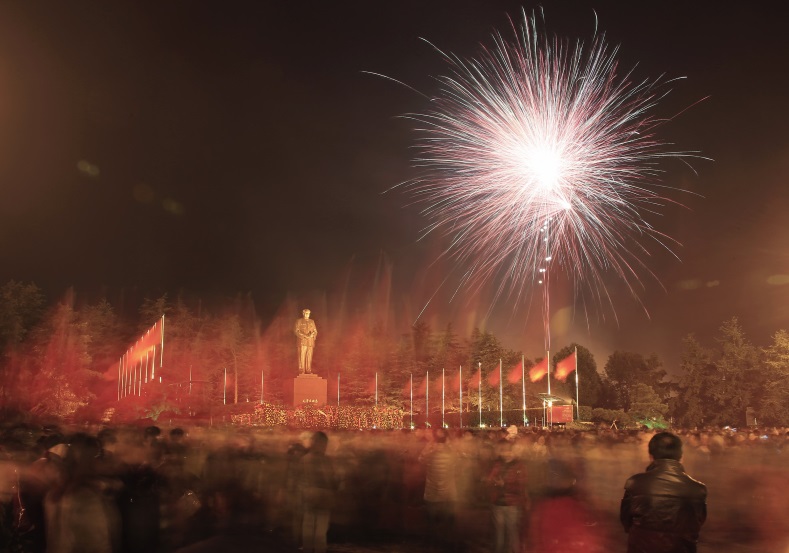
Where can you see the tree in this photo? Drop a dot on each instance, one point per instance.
(421, 335)
(151, 310)
(57, 374)
(738, 383)
(718, 386)
(774, 406)
(103, 327)
(624, 370)
(486, 351)
(647, 405)
(232, 348)
(450, 355)
(693, 404)
(21, 307)
(448, 351)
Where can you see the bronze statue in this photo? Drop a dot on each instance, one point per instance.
(305, 331)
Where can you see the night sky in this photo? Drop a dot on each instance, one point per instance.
(240, 147)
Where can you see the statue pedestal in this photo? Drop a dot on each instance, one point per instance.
(309, 389)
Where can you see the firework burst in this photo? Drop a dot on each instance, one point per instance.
(538, 155)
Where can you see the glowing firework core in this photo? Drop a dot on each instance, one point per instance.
(542, 166)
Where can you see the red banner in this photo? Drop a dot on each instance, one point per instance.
(560, 413)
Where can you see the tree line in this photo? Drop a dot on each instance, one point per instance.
(60, 359)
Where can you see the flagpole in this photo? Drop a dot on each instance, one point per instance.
(548, 357)
(501, 398)
(523, 385)
(161, 354)
(479, 403)
(427, 399)
(550, 403)
(577, 400)
(412, 401)
(119, 378)
(461, 396)
(443, 425)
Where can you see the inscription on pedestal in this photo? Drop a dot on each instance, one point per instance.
(309, 389)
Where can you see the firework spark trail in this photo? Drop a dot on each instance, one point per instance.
(537, 131)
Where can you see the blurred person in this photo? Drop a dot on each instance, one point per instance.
(179, 493)
(368, 485)
(468, 469)
(509, 498)
(561, 521)
(108, 440)
(44, 474)
(440, 490)
(139, 498)
(317, 483)
(80, 515)
(153, 446)
(175, 449)
(291, 491)
(663, 508)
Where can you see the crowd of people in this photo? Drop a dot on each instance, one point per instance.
(133, 489)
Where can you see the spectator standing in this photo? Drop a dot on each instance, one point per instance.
(440, 490)
(318, 489)
(507, 481)
(561, 520)
(663, 508)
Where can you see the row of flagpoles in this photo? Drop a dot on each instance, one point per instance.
(564, 367)
(137, 366)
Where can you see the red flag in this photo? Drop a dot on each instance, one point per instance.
(565, 367)
(407, 388)
(145, 345)
(454, 384)
(332, 388)
(494, 377)
(436, 386)
(539, 370)
(515, 373)
(371, 386)
(475, 380)
(420, 389)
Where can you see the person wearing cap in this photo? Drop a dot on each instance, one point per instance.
(663, 508)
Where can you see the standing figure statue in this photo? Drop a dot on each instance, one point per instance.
(305, 331)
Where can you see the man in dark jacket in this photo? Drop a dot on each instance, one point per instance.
(663, 508)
